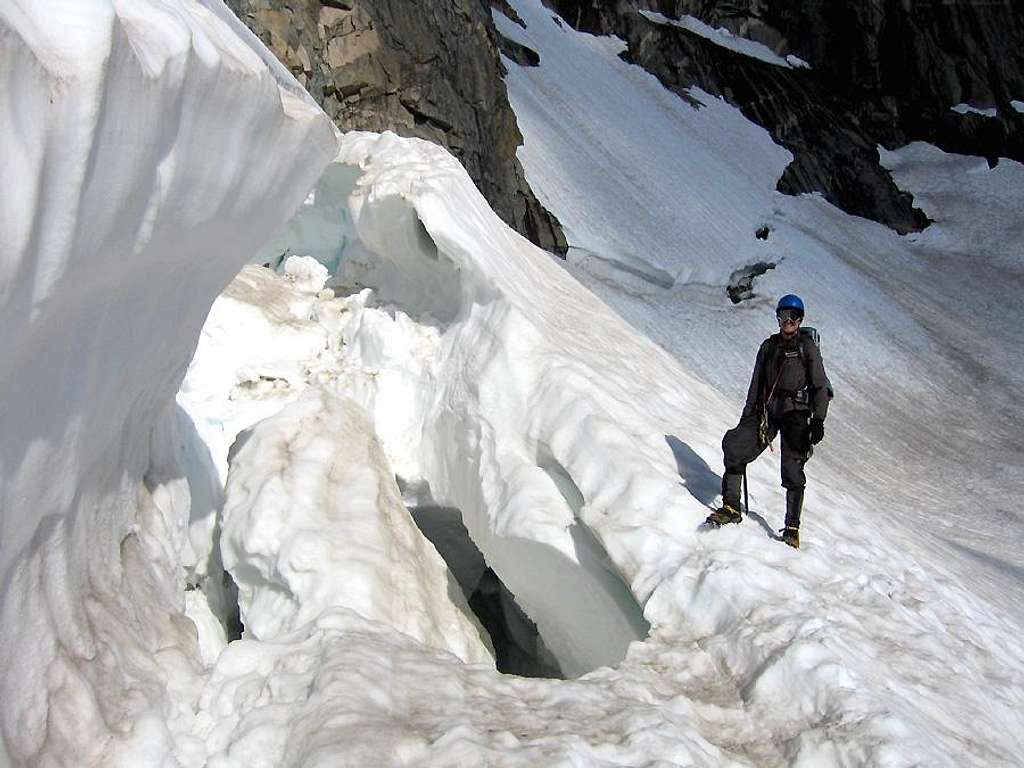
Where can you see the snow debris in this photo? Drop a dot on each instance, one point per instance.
(967, 109)
(308, 274)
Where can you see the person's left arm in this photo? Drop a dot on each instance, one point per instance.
(818, 385)
(818, 380)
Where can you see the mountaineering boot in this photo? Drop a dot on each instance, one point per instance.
(794, 504)
(732, 484)
(724, 515)
(729, 512)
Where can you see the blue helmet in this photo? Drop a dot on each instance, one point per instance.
(790, 301)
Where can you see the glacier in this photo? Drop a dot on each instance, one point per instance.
(133, 195)
(169, 413)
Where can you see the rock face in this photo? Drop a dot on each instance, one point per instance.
(828, 156)
(881, 72)
(907, 62)
(423, 68)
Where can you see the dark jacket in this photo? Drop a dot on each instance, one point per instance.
(790, 376)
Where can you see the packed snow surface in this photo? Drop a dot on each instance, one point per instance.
(428, 342)
(922, 451)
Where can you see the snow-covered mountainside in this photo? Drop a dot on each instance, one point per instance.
(662, 203)
(442, 371)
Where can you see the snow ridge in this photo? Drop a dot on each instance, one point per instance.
(311, 502)
(132, 194)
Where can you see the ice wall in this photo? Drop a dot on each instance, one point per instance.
(313, 521)
(512, 414)
(147, 151)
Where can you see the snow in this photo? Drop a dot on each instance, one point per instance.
(1018, 105)
(944, 321)
(440, 361)
(967, 109)
(311, 503)
(610, 227)
(738, 623)
(392, 361)
(952, 189)
(726, 39)
(138, 175)
(876, 286)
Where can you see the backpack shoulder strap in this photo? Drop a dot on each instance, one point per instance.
(800, 342)
(812, 335)
(770, 365)
(806, 333)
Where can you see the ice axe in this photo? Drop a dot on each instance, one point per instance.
(746, 496)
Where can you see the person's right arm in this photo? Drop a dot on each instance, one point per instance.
(754, 390)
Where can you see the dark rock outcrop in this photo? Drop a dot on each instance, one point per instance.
(517, 52)
(904, 63)
(423, 68)
(741, 282)
(882, 72)
(901, 64)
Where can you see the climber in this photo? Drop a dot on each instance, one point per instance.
(789, 394)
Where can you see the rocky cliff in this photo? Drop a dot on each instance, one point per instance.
(423, 68)
(880, 72)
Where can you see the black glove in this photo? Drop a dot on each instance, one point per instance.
(816, 431)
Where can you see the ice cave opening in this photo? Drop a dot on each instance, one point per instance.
(519, 648)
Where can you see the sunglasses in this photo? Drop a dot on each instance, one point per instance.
(789, 316)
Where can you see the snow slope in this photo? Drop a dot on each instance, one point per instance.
(919, 333)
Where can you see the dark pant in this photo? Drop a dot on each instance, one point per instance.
(740, 447)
